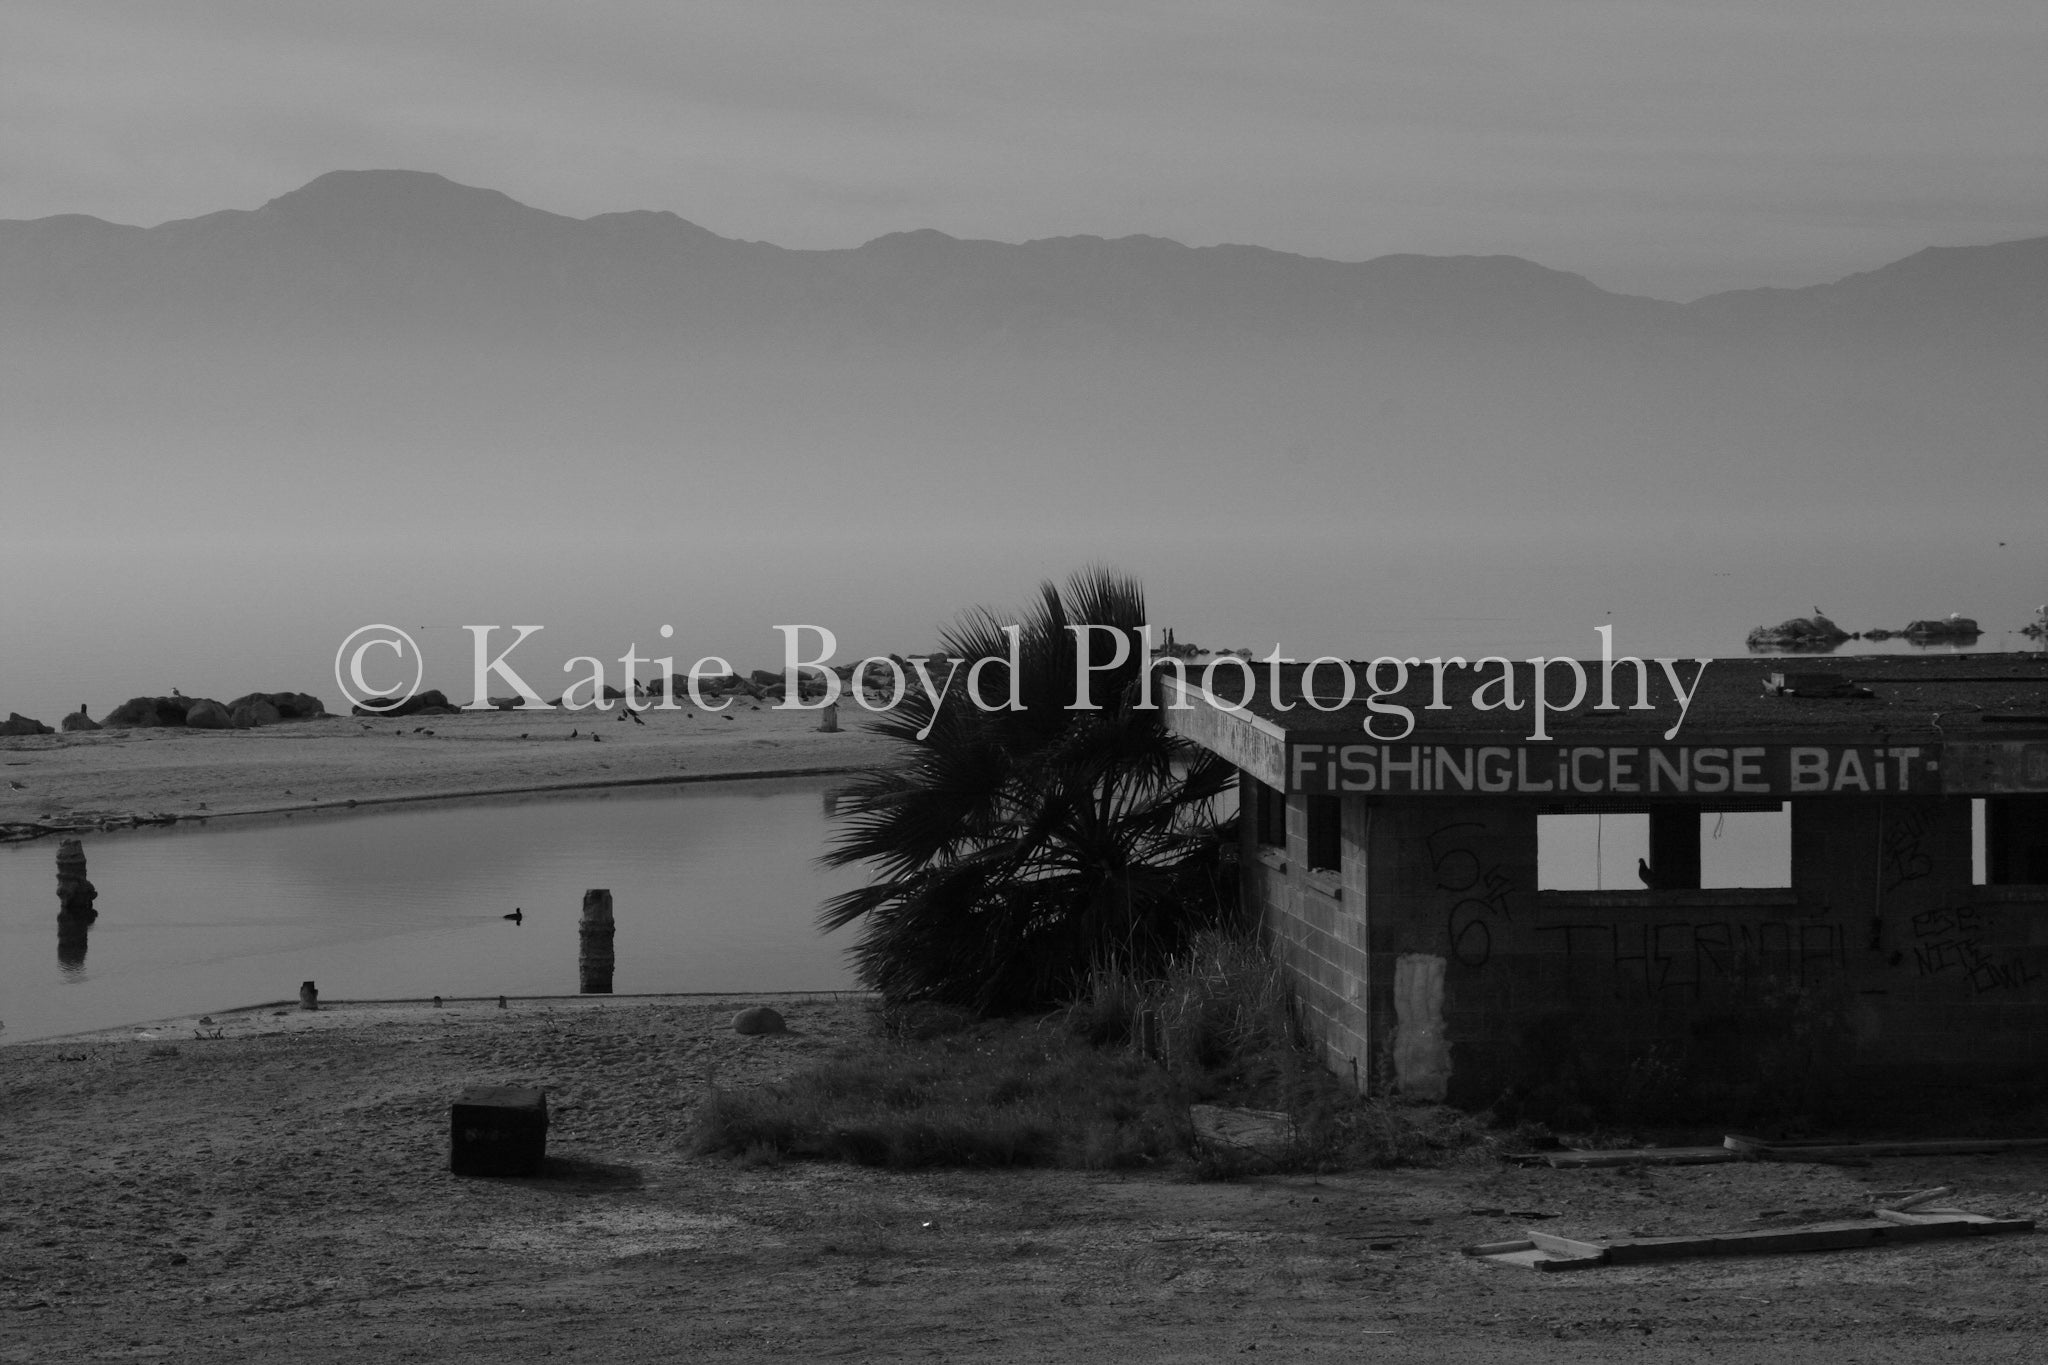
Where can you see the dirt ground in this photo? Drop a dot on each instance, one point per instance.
(281, 1192)
(306, 765)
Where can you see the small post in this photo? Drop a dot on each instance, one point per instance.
(1148, 1032)
(594, 965)
(309, 996)
(75, 895)
(828, 722)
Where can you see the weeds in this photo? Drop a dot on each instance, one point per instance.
(1014, 1093)
(940, 1087)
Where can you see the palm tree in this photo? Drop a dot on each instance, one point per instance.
(1018, 848)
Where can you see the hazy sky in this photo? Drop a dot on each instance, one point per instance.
(1655, 146)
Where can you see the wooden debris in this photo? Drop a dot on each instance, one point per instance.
(1912, 1200)
(1544, 1251)
(1762, 1149)
(1260, 1132)
(1629, 1156)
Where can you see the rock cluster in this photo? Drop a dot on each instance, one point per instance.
(432, 702)
(1802, 634)
(18, 724)
(204, 713)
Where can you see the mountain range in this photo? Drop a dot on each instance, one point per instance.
(375, 328)
(414, 251)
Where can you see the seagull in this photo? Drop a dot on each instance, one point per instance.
(20, 787)
(572, 734)
(636, 717)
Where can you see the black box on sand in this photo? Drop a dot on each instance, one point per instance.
(498, 1130)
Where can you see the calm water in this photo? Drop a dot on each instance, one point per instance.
(714, 889)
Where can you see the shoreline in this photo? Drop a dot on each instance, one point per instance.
(33, 831)
(114, 779)
(270, 1018)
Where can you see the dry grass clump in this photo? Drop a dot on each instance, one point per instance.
(992, 1093)
(1105, 1083)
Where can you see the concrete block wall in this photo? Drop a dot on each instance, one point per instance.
(1436, 962)
(1314, 923)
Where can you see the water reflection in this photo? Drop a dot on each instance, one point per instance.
(717, 889)
(72, 931)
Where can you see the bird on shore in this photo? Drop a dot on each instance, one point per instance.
(517, 916)
(572, 734)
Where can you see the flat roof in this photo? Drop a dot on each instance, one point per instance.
(1912, 697)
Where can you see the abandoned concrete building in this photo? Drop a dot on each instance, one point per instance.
(1890, 937)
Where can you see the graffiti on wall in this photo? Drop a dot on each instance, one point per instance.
(1951, 940)
(1687, 955)
(1481, 890)
(1904, 855)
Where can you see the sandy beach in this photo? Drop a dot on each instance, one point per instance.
(274, 1185)
(116, 775)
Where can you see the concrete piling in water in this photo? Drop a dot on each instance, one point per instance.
(594, 965)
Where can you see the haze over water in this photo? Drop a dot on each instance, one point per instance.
(1326, 593)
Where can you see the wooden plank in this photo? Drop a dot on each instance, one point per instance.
(1636, 1156)
(1566, 1246)
(1903, 1218)
(1913, 1200)
(1831, 1151)
(1498, 1248)
(1536, 1258)
(1815, 1237)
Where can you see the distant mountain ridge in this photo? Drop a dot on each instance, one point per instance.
(415, 250)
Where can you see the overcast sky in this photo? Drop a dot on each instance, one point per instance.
(1656, 146)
